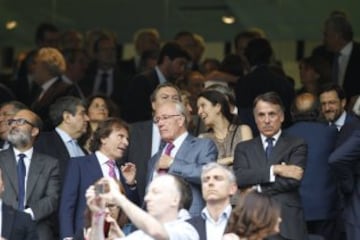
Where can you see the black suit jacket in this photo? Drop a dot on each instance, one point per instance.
(17, 225)
(351, 83)
(199, 224)
(252, 168)
(41, 107)
(139, 152)
(260, 81)
(119, 84)
(138, 104)
(50, 143)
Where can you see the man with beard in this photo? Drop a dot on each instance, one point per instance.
(171, 66)
(31, 179)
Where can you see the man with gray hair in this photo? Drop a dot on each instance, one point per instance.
(69, 116)
(180, 153)
(218, 184)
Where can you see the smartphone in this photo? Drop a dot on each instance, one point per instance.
(99, 188)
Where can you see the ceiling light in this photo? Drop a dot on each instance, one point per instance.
(10, 25)
(228, 19)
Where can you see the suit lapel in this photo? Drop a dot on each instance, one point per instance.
(35, 169)
(185, 147)
(259, 152)
(279, 147)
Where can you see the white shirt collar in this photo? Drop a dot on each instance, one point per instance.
(340, 121)
(66, 79)
(102, 158)
(347, 49)
(225, 214)
(160, 75)
(48, 84)
(276, 138)
(28, 153)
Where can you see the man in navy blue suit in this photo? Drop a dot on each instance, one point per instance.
(110, 141)
(320, 209)
(344, 161)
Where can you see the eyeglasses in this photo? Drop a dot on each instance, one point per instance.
(19, 122)
(164, 117)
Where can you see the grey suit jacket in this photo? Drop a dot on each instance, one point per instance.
(193, 154)
(252, 168)
(42, 188)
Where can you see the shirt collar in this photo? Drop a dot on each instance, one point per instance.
(225, 213)
(179, 140)
(48, 84)
(347, 49)
(63, 135)
(341, 120)
(108, 71)
(275, 137)
(66, 79)
(160, 75)
(28, 153)
(102, 158)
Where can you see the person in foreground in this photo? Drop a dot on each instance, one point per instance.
(160, 222)
(254, 218)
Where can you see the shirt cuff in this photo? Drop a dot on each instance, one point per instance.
(29, 211)
(272, 175)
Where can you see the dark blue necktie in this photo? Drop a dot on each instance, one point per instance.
(21, 173)
(103, 83)
(269, 147)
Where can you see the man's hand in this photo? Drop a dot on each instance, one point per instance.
(288, 171)
(164, 162)
(128, 170)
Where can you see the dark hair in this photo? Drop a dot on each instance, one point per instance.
(172, 50)
(70, 54)
(104, 130)
(184, 188)
(341, 25)
(122, 218)
(245, 34)
(305, 108)
(270, 97)
(320, 66)
(183, 34)
(103, 37)
(333, 87)
(163, 85)
(42, 29)
(112, 108)
(233, 64)
(64, 104)
(16, 105)
(254, 217)
(258, 51)
(215, 97)
(38, 123)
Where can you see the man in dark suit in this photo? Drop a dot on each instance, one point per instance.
(338, 38)
(103, 73)
(183, 154)
(344, 161)
(49, 67)
(15, 224)
(69, 116)
(37, 194)
(320, 209)
(261, 79)
(109, 143)
(218, 184)
(145, 138)
(171, 65)
(273, 163)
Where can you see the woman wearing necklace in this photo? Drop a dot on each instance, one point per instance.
(214, 110)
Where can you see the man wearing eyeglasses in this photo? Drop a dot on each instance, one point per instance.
(181, 154)
(31, 179)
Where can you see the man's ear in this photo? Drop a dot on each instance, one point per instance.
(35, 131)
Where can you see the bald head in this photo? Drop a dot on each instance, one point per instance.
(305, 107)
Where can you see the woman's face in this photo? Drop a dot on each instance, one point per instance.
(207, 111)
(112, 210)
(98, 110)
